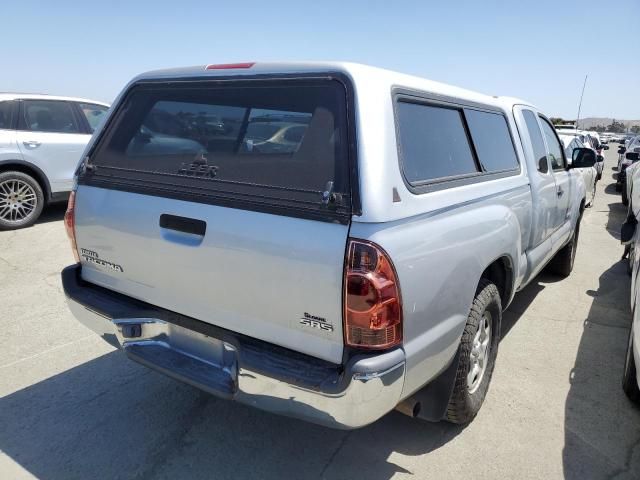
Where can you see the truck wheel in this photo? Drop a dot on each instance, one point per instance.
(629, 378)
(477, 354)
(562, 263)
(21, 200)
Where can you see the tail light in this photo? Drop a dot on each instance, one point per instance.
(373, 308)
(70, 224)
(229, 66)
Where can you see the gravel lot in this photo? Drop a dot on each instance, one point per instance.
(72, 407)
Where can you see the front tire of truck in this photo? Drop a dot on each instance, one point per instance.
(477, 354)
(562, 263)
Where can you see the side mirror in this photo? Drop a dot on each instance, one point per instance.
(633, 156)
(621, 150)
(628, 230)
(583, 158)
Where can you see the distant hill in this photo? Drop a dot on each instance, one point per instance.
(591, 122)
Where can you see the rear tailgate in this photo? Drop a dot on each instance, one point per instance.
(228, 202)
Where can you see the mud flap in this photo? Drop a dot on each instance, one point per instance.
(434, 397)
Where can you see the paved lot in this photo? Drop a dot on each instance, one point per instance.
(71, 407)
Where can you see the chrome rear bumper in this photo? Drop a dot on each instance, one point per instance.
(239, 368)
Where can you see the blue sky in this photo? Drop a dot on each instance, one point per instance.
(536, 50)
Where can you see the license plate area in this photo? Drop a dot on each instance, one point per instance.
(197, 359)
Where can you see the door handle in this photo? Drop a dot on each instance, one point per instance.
(560, 192)
(31, 143)
(183, 224)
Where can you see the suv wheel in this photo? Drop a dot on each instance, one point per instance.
(478, 349)
(629, 378)
(21, 200)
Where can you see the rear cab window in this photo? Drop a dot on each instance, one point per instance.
(277, 145)
(441, 143)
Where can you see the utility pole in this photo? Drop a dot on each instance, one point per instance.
(580, 104)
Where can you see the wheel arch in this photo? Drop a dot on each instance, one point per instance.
(29, 169)
(500, 272)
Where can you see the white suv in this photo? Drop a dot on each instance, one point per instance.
(41, 140)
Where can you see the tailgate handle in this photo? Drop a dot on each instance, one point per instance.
(183, 224)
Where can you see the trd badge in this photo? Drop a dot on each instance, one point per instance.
(316, 322)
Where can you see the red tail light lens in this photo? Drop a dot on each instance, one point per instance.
(373, 309)
(229, 66)
(70, 224)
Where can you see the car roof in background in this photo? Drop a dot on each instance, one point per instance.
(43, 96)
(567, 139)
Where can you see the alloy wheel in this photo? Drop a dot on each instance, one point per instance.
(18, 200)
(479, 355)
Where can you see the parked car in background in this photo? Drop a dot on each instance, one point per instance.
(625, 175)
(41, 140)
(630, 237)
(333, 231)
(626, 157)
(629, 175)
(589, 141)
(565, 126)
(589, 174)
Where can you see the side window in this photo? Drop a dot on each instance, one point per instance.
(93, 113)
(568, 151)
(555, 149)
(539, 150)
(5, 114)
(48, 116)
(492, 139)
(433, 143)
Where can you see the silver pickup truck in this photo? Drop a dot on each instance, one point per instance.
(328, 241)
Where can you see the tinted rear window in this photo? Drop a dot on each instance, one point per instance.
(272, 142)
(492, 140)
(433, 143)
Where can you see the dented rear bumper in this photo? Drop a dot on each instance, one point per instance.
(237, 367)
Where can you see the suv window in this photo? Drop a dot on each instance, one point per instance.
(5, 114)
(48, 116)
(281, 144)
(492, 139)
(555, 149)
(539, 150)
(93, 113)
(433, 143)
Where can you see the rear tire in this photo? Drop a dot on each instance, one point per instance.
(629, 378)
(472, 382)
(562, 263)
(21, 200)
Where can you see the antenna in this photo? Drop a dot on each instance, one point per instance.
(580, 104)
